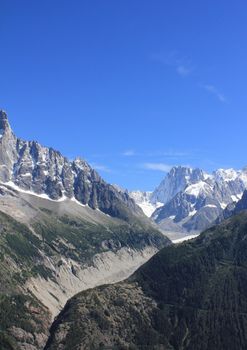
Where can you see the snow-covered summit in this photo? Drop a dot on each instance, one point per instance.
(192, 199)
(199, 201)
(175, 181)
(226, 174)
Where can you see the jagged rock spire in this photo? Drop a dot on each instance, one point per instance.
(4, 123)
(8, 153)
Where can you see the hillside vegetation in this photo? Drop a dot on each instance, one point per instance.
(192, 296)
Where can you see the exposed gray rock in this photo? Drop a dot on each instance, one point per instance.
(233, 208)
(43, 170)
(175, 181)
(200, 200)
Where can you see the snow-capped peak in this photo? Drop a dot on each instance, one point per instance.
(175, 181)
(226, 174)
(192, 199)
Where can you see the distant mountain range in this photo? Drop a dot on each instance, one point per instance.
(190, 200)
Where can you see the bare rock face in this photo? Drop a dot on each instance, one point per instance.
(175, 181)
(193, 200)
(43, 170)
(233, 208)
(8, 153)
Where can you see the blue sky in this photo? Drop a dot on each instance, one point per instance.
(132, 86)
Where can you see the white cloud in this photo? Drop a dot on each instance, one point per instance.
(129, 153)
(214, 91)
(157, 166)
(184, 67)
(168, 153)
(173, 59)
(183, 71)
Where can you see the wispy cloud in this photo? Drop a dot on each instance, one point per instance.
(101, 167)
(157, 166)
(214, 91)
(129, 153)
(155, 154)
(181, 65)
(183, 71)
(184, 67)
(174, 154)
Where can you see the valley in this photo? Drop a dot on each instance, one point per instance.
(123, 175)
(190, 296)
(64, 230)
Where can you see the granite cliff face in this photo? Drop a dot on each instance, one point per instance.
(176, 181)
(190, 200)
(45, 171)
(201, 201)
(233, 208)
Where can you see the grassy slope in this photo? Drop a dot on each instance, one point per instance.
(192, 296)
(21, 257)
(86, 238)
(18, 252)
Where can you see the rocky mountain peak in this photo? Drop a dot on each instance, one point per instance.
(7, 148)
(81, 164)
(45, 171)
(226, 174)
(4, 122)
(175, 181)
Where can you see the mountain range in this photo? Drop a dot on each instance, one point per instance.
(46, 172)
(64, 230)
(190, 200)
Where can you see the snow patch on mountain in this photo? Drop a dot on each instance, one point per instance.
(143, 200)
(183, 239)
(175, 181)
(42, 195)
(226, 175)
(192, 199)
(198, 188)
(202, 200)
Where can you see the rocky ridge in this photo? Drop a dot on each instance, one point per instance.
(45, 171)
